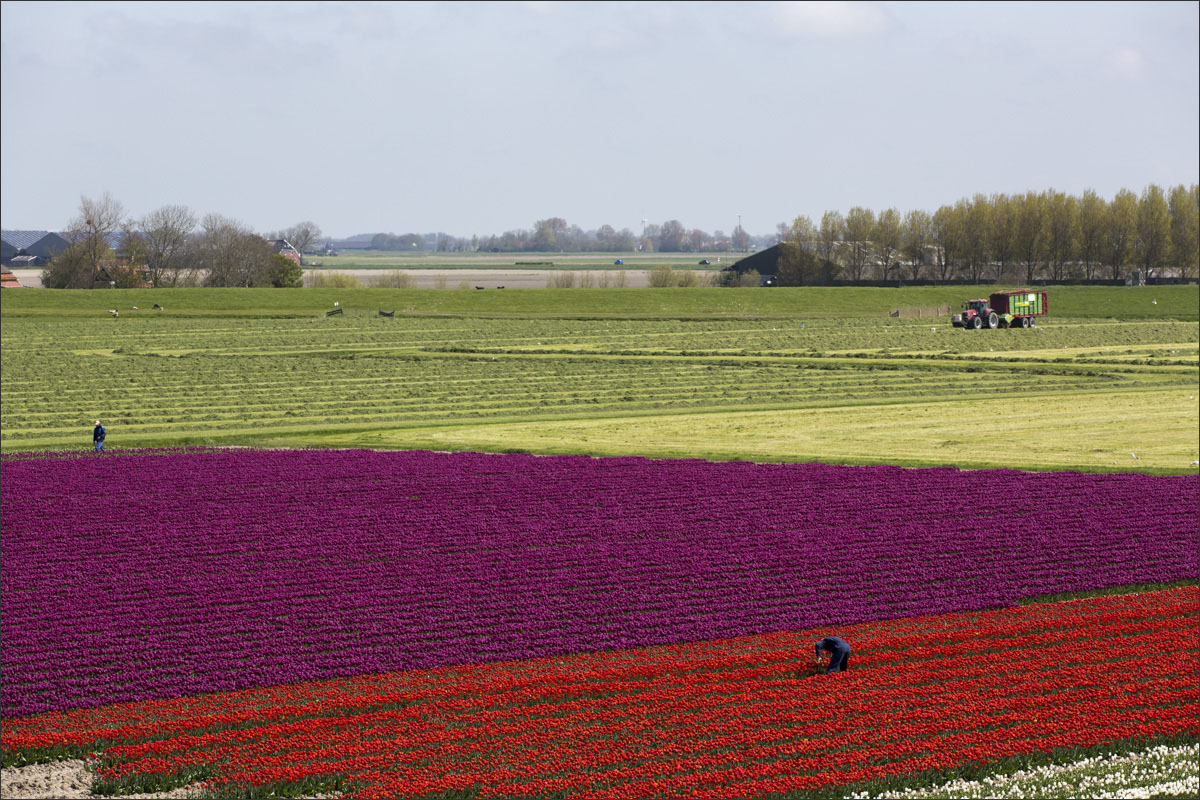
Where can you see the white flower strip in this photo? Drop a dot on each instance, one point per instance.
(1159, 770)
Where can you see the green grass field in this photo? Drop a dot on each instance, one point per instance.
(807, 374)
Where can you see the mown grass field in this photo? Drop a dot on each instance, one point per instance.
(767, 375)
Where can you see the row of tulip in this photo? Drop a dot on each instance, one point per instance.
(1161, 771)
(304, 565)
(743, 716)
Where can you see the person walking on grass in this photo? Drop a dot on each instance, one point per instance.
(98, 434)
(839, 654)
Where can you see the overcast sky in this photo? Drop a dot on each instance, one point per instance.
(479, 118)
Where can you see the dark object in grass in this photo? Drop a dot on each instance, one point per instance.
(383, 313)
(331, 313)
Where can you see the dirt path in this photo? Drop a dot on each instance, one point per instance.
(70, 780)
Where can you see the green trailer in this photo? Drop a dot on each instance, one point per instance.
(1018, 308)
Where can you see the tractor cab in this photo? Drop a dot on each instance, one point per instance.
(976, 314)
(980, 307)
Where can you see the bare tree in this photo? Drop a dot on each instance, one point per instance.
(672, 236)
(166, 231)
(741, 239)
(93, 230)
(303, 235)
(231, 254)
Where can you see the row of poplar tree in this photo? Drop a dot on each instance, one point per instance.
(1036, 235)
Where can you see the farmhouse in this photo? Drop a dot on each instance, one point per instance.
(281, 247)
(41, 245)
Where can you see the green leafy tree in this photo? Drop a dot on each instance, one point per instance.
(70, 269)
(1153, 230)
(976, 234)
(1060, 229)
(1093, 219)
(798, 265)
(803, 232)
(832, 234)
(917, 235)
(284, 273)
(945, 236)
(550, 235)
(1121, 232)
(1002, 238)
(1184, 209)
(887, 238)
(1027, 231)
(860, 226)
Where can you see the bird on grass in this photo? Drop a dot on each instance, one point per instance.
(113, 311)
(1134, 455)
(135, 308)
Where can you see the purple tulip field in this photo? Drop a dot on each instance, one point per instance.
(154, 575)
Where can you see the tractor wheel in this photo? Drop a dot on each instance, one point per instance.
(1024, 322)
(1032, 322)
(976, 323)
(993, 320)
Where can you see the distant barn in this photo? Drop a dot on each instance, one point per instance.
(41, 245)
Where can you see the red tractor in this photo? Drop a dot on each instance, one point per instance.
(1013, 309)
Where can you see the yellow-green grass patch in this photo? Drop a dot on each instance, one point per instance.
(1090, 431)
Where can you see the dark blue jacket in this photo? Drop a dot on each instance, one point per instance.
(98, 433)
(834, 645)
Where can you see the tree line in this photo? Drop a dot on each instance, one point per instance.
(555, 234)
(1035, 235)
(169, 247)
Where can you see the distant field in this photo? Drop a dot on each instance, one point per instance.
(399, 259)
(772, 375)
